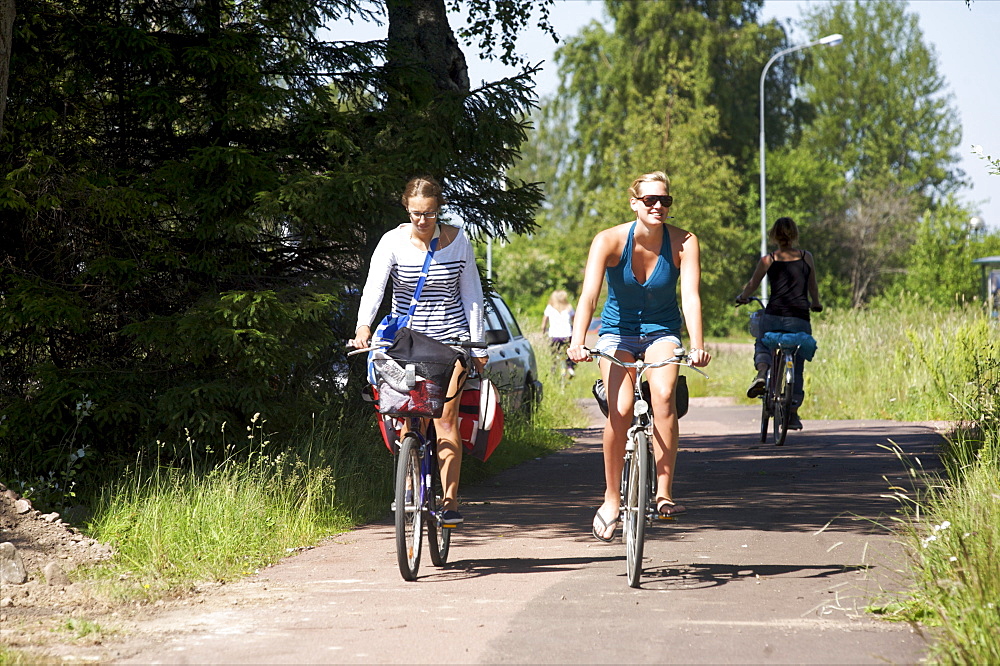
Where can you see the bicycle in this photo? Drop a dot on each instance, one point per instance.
(418, 491)
(638, 483)
(776, 401)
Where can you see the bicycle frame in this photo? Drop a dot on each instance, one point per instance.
(638, 481)
(776, 402)
(418, 478)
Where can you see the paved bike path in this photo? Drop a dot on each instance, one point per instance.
(774, 563)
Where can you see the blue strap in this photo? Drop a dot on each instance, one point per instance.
(423, 277)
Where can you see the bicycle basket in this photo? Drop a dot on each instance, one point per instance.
(411, 389)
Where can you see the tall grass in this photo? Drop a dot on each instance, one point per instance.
(954, 524)
(173, 526)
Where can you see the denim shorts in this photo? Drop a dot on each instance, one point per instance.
(636, 345)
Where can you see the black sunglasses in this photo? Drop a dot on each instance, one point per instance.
(650, 200)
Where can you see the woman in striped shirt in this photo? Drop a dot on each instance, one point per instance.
(450, 306)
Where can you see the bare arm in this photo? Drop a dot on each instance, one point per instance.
(593, 279)
(755, 280)
(690, 270)
(814, 301)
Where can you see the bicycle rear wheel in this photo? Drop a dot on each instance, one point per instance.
(636, 502)
(438, 536)
(783, 397)
(409, 496)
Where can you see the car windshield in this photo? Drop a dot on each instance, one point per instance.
(512, 326)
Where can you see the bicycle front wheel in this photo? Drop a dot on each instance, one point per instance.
(409, 495)
(636, 502)
(438, 536)
(783, 397)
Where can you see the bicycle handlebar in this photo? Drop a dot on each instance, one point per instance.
(680, 358)
(464, 344)
(813, 308)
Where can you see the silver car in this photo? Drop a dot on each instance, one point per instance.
(511, 366)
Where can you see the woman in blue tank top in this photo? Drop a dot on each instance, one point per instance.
(643, 261)
(794, 292)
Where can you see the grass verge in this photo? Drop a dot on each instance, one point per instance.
(952, 526)
(174, 526)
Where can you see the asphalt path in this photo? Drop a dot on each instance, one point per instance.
(780, 551)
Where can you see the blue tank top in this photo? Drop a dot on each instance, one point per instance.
(641, 309)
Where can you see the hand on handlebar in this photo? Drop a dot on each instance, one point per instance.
(362, 338)
(579, 354)
(742, 300)
(816, 308)
(699, 358)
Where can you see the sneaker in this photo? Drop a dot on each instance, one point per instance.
(451, 519)
(794, 422)
(758, 387)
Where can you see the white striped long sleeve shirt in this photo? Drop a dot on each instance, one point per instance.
(451, 304)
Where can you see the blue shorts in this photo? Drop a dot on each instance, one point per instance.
(636, 345)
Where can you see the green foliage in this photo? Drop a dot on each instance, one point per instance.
(869, 363)
(886, 124)
(171, 526)
(661, 90)
(939, 264)
(953, 526)
(189, 196)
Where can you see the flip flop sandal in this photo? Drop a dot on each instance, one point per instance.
(668, 509)
(605, 524)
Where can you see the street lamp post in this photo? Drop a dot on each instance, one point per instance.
(829, 40)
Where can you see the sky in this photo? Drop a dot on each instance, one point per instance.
(963, 39)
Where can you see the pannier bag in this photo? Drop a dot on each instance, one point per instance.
(412, 374)
(805, 342)
(681, 395)
(480, 418)
(408, 389)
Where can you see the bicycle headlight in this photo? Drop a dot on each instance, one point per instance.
(641, 408)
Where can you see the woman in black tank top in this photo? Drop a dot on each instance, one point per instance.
(791, 273)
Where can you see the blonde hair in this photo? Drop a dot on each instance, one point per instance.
(784, 232)
(559, 300)
(651, 177)
(423, 186)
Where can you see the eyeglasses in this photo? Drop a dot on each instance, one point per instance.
(650, 200)
(428, 215)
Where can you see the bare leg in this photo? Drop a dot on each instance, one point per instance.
(618, 383)
(662, 382)
(450, 441)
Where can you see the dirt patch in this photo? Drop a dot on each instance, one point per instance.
(48, 550)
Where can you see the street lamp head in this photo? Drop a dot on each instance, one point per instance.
(976, 223)
(832, 40)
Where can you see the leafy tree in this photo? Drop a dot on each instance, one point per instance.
(187, 199)
(939, 264)
(885, 123)
(664, 87)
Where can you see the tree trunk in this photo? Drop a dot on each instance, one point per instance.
(420, 36)
(7, 14)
